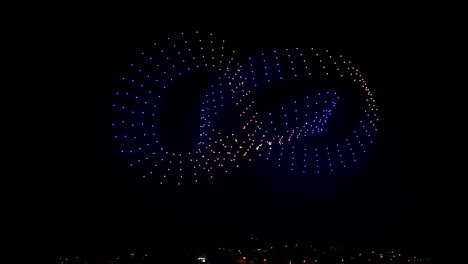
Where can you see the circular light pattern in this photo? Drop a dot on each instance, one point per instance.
(146, 86)
(307, 127)
(305, 110)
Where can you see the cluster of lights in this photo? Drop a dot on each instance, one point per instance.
(266, 253)
(234, 126)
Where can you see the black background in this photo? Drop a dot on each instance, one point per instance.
(88, 201)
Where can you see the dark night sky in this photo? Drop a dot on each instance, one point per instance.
(92, 202)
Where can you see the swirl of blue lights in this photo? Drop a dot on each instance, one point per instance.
(309, 127)
(145, 87)
(286, 106)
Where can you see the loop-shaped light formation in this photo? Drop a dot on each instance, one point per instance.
(145, 87)
(306, 110)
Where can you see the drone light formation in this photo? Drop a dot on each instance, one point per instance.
(285, 106)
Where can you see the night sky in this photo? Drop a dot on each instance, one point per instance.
(95, 202)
